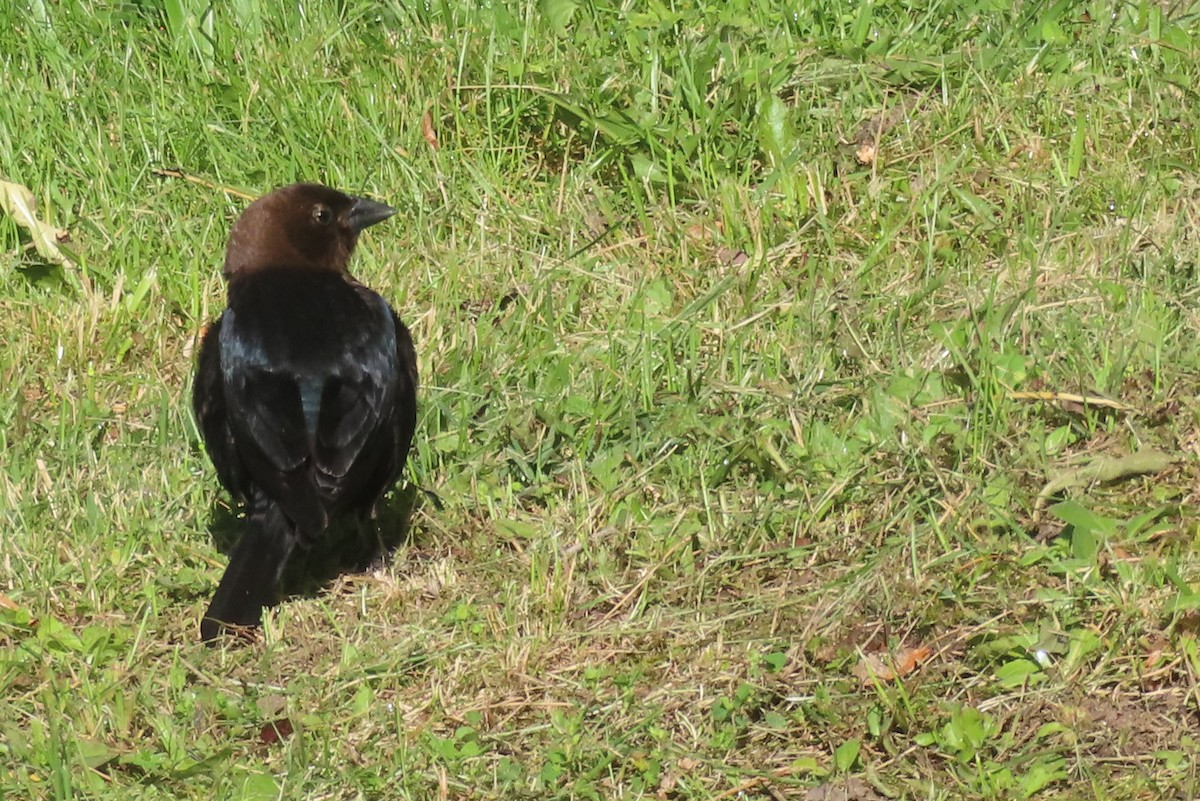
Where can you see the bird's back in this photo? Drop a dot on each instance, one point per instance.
(311, 376)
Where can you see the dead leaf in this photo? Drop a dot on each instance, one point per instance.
(871, 667)
(427, 129)
(851, 788)
(910, 659)
(704, 231)
(884, 667)
(731, 257)
(19, 203)
(1072, 402)
(8, 603)
(1152, 660)
(271, 705)
(275, 731)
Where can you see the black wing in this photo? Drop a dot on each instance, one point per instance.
(309, 390)
(208, 406)
(357, 396)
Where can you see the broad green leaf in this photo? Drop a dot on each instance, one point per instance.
(775, 135)
(1016, 672)
(847, 754)
(558, 14)
(259, 787)
(1080, 517)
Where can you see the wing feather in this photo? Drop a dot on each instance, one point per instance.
(311, 408)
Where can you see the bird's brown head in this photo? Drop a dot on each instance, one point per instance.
(305, 226)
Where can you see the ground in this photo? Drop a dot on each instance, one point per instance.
(809, 401)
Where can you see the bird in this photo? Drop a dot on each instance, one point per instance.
(305, 392)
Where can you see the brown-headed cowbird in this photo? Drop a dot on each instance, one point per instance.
(306, 388)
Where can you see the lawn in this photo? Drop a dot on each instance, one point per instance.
(809, 410)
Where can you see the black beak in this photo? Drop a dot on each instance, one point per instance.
(366, 213)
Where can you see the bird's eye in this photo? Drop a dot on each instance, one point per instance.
(322, 215)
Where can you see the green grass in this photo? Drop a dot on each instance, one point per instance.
(747, 341)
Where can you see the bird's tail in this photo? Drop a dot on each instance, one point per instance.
(253, 574)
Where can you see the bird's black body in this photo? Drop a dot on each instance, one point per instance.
(306, 388)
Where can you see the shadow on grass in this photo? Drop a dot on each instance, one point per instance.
(347, 546)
